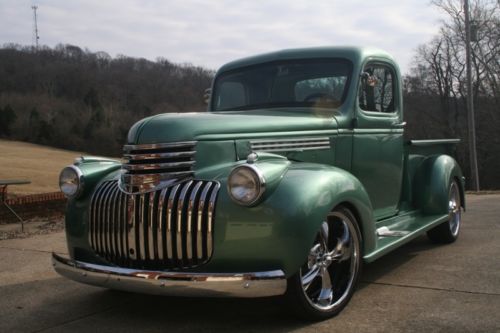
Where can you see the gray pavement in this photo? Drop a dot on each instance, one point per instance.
(420, 287)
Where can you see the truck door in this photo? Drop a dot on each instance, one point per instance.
(378, 137)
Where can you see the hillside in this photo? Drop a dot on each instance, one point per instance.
(71, 98)
(39, 164)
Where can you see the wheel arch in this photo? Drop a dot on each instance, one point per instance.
(341, 188)
(359, 219)
(281, 228)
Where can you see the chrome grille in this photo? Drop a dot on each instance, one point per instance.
(167, 229)
(290, 144)
(149, 167)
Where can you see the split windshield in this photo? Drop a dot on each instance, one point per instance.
(291, 83)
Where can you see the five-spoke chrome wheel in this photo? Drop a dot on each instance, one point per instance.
(326, 281)
(454, 209)
(448, 232)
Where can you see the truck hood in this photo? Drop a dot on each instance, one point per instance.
(172, 127)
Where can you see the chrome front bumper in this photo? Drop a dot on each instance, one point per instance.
(256, 284)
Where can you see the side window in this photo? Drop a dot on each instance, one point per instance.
(377, 89)
(233, 95)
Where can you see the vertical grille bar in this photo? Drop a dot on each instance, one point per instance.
(123, 223)
(108, 235)
(103, 217)
(161, 223)
(180, 241)
(199, 229)
(93, 226)
(112, 221)
(152, 243)
(119, 225)
(97, 217)
(190, 213)
(141, 226)
(116, 224)
(132, 251)
(170, 212)
(211, 209)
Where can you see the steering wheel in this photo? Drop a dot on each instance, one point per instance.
(320, 96)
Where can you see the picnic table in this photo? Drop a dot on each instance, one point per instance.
(3, 195)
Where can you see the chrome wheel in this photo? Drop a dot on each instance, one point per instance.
(454, 210)
(328, 277)
(448, 231)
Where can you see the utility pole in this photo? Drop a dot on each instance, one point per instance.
(35, 27)
(470, 103)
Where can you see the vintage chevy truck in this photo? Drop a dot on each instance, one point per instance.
(297, 174)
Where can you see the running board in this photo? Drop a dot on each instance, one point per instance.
(412, 225)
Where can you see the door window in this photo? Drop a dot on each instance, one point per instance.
(377, 89)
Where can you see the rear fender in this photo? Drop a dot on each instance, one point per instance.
(432, 181)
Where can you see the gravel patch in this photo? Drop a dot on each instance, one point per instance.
(32, 227)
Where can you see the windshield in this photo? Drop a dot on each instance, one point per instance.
(290, 83)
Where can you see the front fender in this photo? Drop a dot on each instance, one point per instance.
(94, 171)
(280, 230)
(432, 182)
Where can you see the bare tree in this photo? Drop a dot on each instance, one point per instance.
(72, 98)
(439, 75)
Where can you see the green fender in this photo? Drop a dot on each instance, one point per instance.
(94, 170)
(432, 181)
(279, 231)
(321, 189)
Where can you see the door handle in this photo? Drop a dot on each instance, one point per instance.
(399, 125)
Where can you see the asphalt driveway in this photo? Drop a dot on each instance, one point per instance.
(420, 287)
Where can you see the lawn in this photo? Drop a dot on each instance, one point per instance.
(39, 164)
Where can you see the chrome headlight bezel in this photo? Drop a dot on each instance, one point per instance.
(72, 175)
(258, 180)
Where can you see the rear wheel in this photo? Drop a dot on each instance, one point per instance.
(325, 283)
(448, 231)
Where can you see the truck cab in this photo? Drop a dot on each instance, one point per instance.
(298, 173)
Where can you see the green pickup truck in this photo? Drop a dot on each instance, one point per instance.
(297, 174)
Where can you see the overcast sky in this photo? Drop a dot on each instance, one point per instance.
(210, 33)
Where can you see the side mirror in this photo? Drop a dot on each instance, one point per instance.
(207, 95)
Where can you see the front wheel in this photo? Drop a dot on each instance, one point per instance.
(325, 283)
(447, 232)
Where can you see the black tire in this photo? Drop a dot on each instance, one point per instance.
(448, 231)
(325, 283)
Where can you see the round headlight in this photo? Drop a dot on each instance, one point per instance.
(70, 181)
(245, 185)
